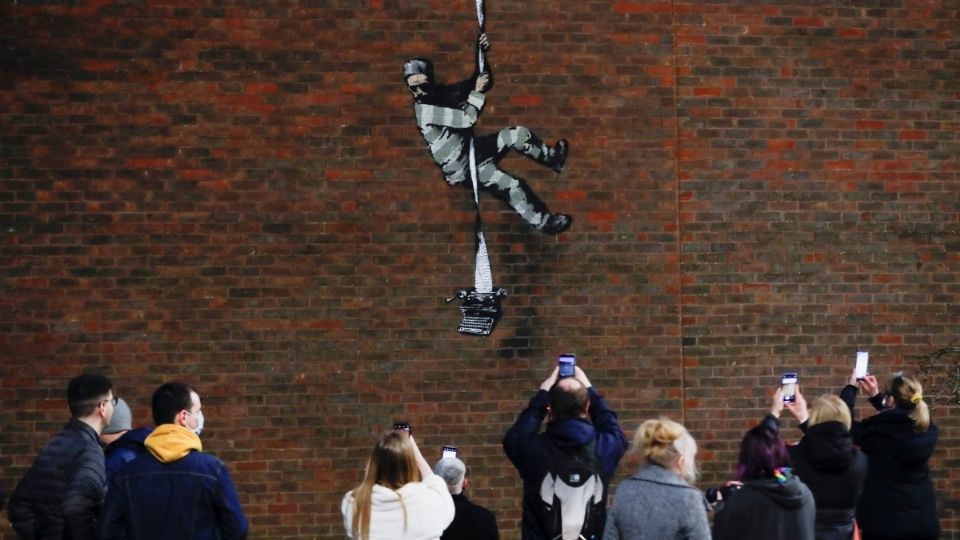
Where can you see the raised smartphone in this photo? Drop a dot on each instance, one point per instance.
(789, 384)
(566, 362)
(863, 359)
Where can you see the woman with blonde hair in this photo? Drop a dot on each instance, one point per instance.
(829, 463)
(658, 501)
(400, 498)
(898, 500)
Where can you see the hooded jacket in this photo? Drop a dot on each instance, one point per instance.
(765, 509)
(833, 468)
(173, 491)
(898, 498)
(416, 511)
(531, 452)
(60, 495)
(124, 450)
(656, 504)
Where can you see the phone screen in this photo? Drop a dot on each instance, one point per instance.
(566, 363)
(789, 384)
(863, 358)
(403, 426)
(449, 451)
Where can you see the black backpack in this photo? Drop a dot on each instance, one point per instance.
(571, 501)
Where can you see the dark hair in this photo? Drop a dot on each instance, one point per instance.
(568, 402)
(85, 392)
(170, 399)
(761, 452)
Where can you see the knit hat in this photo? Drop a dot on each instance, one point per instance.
(418, 66)
(122, 418)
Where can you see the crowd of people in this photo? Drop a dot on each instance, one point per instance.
(101, 479)
(845, 479)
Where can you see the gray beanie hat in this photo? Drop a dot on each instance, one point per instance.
(122, 419)
(451, 469)
(418, 66)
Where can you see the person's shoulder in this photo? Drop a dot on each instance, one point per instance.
(203, 459)
(474, 511)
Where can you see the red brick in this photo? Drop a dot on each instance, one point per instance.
(237, 196)
(526, 101)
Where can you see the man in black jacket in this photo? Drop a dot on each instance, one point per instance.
(60, 495)
(471, 521)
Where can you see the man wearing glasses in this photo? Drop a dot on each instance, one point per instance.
(173, 490)
(60, 495)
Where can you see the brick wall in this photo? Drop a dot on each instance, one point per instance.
(235, 194)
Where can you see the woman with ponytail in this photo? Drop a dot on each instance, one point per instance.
(898, 500)
(400, 498)
(658, 501)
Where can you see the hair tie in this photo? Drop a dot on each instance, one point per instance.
(916, 398)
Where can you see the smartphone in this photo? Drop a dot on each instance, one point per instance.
(403, 426)
(566, 362)
(863, 358)
(448, 451)
(789, 384)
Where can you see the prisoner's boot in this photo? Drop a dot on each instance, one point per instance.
(558, 157)
(556, 224)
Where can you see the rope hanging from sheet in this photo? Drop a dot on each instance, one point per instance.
(480, 306)
(482, 275)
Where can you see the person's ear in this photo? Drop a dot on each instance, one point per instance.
(465, 482)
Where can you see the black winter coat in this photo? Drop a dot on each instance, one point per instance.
(471, 522)
(60, 496)
(898, 499)
(833, 468)
(767, 510)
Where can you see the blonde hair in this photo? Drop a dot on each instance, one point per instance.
(908, 394)
(664, 442)
(392, 464)
(829, 408)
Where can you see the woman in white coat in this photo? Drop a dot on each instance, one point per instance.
(400, 498)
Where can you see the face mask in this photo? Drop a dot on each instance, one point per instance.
(199, 417)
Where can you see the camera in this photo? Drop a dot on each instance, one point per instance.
(721, 493)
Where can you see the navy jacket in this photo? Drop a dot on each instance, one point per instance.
(531, 454)
(898, 499)
(124, 450)
(180, 498)
(60, 495)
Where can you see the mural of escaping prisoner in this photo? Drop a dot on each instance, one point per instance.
(446, 115)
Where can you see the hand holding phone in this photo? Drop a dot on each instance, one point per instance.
(788, 384)
(566, 364)
(863, 359)
(448, 451)
(403, 426)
